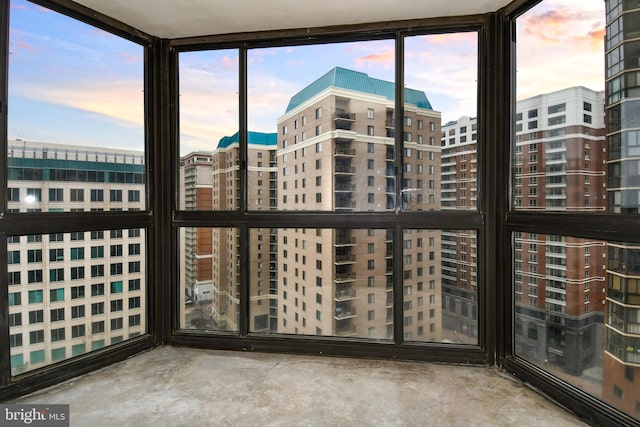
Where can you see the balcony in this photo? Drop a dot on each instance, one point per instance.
(344, 240)
(344, 152)
(345, 187)
(343, 120)
(345, 259)
(624, 348)
(345, 204)
(345, 278)
(346, 331)
(345, 169)
(345, 294)
(343, 313)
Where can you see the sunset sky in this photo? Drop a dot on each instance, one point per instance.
(71, 83)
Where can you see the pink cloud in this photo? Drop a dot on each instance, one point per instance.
(563, 25)
(128, 57)
(229, 63)
(384, 58)
(447, 38)
(15, 6)
(42, 9)
(21, 45)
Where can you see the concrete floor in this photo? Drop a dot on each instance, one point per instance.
(191, 387)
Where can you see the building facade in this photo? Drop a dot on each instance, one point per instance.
(459, 247)
(621, 361)
(559, 290)
(336, 153)
(210, 269)
(70, 293)
(559, 280)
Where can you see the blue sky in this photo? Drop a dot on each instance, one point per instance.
(71, 83)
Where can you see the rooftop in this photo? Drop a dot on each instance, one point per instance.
(254, 138)
(358, 82)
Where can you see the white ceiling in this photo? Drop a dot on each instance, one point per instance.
(188, 18)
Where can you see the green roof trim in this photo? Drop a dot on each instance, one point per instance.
(258, 138)
(359, 82)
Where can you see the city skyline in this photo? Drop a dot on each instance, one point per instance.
(443, 65)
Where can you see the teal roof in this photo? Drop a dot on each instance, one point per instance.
(360, 82)
(258, 138)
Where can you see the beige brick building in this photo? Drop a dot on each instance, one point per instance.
(336, 153)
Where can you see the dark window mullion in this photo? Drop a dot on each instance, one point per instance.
(5, 354)
(244, 234)
(398, 325)
(5, 359)
(243, 131)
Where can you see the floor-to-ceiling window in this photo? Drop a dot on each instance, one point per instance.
(574, 194)
(320, 188)
(76, 189)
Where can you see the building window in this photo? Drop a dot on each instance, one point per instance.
(134, 195)
(115, 195)
(77, 195)
(34, 195)
(97, 195)
(557, 108)
(13, 194)
(370, 130)
(618, 392)
(56, 195)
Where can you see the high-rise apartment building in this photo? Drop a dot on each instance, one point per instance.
(70, 293)
(559, 165)
(459, 247)
(210, 269)
(336, 153)
(621, 362)
(559, 285)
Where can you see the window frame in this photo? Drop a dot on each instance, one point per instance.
(162, 221)
(46, 223)
(244, 219)
(594, 226)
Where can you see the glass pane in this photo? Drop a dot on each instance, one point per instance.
(331, 282)
(71, 293)
(209, 282)
(577, 313)
(440, 137)
(459, 286)
(209, 127)
(622, 107)
(422, 286)
(322, 130)
(76, 116)
(560, 150)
